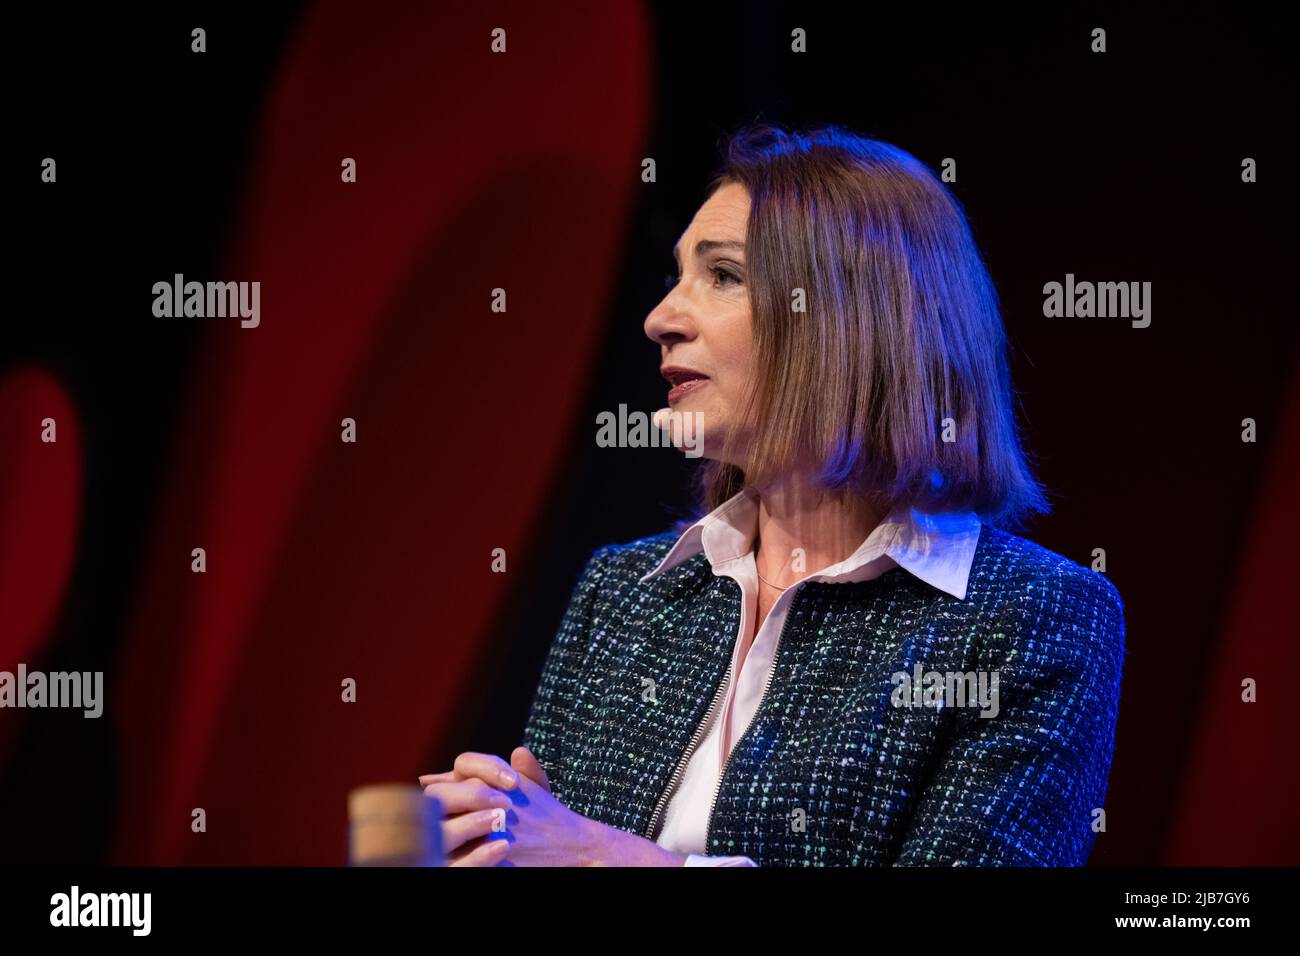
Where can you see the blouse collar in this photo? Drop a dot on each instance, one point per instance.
(938, 548)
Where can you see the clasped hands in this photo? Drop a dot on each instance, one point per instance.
(502, 814)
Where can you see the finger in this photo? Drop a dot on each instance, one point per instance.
(522, 759)
(448, 777)
(487, 853)
(487, 767)
(464, 827)
(467, 796)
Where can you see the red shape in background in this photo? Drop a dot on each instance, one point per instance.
(40, 510)
(371, 561)
(1238, 805)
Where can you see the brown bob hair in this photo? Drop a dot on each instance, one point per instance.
(900, 345)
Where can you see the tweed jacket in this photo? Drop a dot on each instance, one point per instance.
(846, 763)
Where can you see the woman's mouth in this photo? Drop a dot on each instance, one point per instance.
(682, 380)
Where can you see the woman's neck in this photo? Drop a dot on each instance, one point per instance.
(827, 528)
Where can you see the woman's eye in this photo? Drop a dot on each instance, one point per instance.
(721, 276)
(724, 275)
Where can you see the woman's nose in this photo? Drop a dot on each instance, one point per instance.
(668, 323)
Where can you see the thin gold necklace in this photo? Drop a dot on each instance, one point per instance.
(770, 584)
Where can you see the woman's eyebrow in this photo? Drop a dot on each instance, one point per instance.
(707, 245)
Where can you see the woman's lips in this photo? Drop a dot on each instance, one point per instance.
(677, 391)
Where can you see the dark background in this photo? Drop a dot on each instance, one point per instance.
(477, 430)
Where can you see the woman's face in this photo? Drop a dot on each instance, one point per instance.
(704, 326)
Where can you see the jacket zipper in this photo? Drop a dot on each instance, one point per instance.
(776, 659)
(690, 749)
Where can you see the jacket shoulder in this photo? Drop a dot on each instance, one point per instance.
(1022, 566)
(1047, 598)
(633, 559)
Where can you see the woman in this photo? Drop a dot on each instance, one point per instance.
(850, 659)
